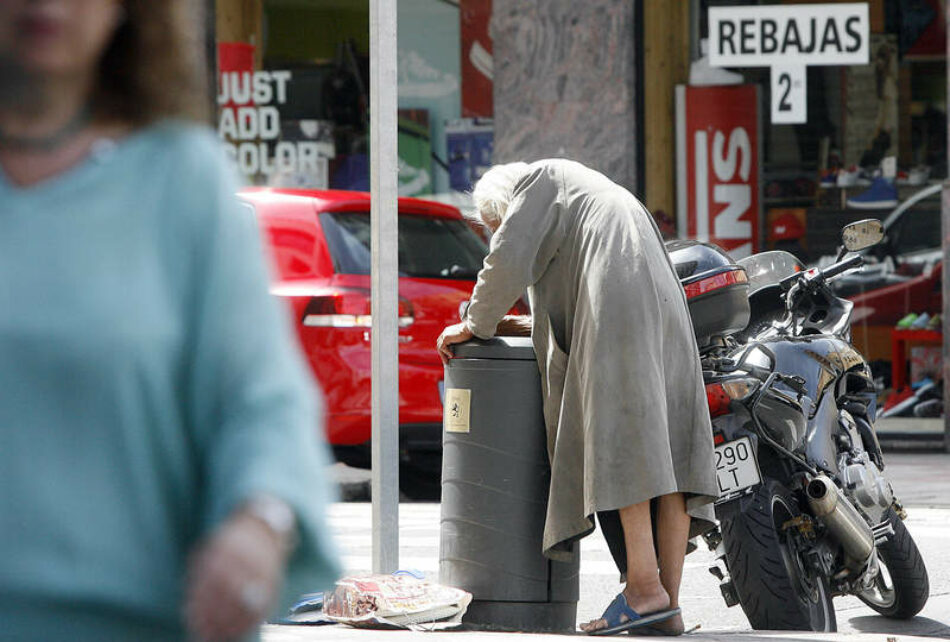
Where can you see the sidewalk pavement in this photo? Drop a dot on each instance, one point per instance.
(922, 479)
(301, 634)
(864, 628)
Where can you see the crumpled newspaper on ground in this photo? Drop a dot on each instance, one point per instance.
(396, 601)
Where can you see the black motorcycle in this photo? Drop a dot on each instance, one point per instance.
(805, 511)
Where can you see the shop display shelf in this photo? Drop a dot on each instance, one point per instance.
(900, 340)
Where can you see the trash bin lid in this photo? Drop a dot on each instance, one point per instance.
(516, 348)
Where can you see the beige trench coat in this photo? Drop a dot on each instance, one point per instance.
(625, 406)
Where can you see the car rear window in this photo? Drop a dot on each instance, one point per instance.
(429, 247)
(917, 229)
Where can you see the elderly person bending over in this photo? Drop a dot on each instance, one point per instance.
(624, 406)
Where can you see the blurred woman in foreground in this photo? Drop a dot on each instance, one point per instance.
(158, 460)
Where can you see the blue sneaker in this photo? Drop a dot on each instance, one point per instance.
(881, 194)
(920, 323)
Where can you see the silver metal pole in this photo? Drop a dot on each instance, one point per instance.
(695, 8)
(385, 284)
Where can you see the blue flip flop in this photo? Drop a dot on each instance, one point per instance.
(619, 608)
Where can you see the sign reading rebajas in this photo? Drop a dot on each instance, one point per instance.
(789, 38)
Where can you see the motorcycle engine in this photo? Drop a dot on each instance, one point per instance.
(863, 482)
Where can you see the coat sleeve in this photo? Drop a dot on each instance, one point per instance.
(257, 410)
(521, 249)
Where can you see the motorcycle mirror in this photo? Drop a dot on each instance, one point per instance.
(862, 234)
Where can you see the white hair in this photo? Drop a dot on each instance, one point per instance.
(494, 191)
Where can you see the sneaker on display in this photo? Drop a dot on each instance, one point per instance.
(898, 397)
(829, 179)
(931, 408)
(852, 177)
(904, 323)
(920, 323)
(916, 176)
(936, 323)
(881, 194)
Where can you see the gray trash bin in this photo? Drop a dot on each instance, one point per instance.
(495, 479)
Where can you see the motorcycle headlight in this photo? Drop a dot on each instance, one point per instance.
(740, 388)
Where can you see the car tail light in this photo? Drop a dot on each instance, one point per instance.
(715, 282)
(718, 438)
(348, 308)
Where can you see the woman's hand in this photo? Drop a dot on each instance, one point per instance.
(458, 333)
(234, 577)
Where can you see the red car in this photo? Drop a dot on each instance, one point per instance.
(320, 243)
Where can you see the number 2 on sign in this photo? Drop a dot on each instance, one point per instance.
(789, 95)
(785, 80)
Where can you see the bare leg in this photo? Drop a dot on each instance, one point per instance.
(673, 533)
(644, 591)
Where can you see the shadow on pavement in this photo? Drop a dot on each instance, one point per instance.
(416, 484)
(919, 626)
(935, 445)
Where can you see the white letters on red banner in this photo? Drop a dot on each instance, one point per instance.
(718, 166)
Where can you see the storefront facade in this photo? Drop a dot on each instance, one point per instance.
(871, 135)
(847, 124)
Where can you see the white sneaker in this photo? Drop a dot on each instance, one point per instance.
(916, 176)
(852, 177)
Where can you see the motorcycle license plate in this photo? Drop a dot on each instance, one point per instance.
(736, 467)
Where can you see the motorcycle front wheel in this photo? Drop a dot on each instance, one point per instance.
(776, 587)
(902, 587)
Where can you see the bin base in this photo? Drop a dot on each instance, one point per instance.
(526, 617)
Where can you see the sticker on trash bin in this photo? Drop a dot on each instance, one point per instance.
(458, 404)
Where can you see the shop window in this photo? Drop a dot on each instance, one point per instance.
(880, 125)
(294, 98)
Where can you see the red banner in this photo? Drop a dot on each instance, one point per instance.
(718, 166)
(234, 60)
(477, 59)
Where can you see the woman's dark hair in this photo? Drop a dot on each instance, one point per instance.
(154, 67)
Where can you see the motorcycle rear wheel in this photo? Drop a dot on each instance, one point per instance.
(776, 588)
(901, 589)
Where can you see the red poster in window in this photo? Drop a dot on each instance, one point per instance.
(718, 166)
(234, 59)
(477, 60)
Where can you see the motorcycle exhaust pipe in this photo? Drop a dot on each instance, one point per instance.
(830, 505)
